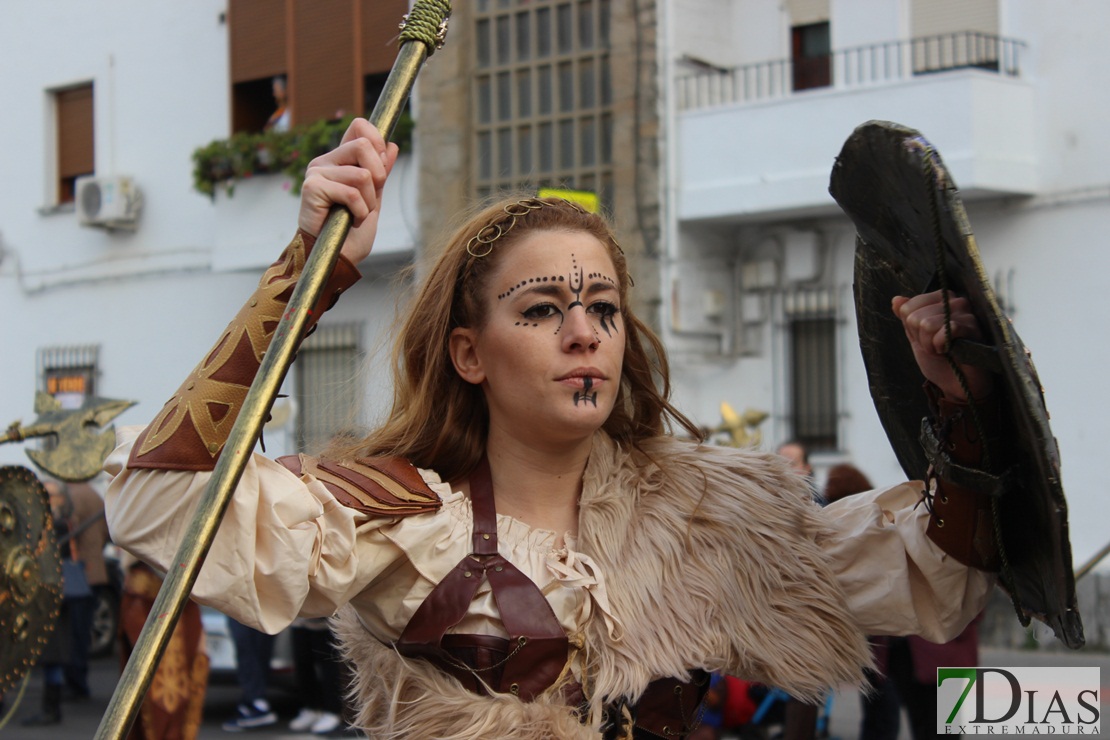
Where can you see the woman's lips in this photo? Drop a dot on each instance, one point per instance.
(583, 379)
(582, 382)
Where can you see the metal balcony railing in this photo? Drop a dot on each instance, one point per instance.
(850, 68)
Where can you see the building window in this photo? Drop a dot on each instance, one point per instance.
(74, 109)
(811, 323)
(69, 373)
(542, 96)
(327, 389)
(811, 55)
(334, 54)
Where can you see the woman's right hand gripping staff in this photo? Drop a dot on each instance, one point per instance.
(353, 175)
(162, 470)
(523, 548)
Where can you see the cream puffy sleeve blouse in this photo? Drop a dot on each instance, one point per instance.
(286, 548)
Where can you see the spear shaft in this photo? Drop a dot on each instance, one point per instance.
(424, 30)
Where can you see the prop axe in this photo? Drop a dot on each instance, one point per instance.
(80, 449)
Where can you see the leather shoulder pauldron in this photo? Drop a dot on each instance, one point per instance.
(378, 486)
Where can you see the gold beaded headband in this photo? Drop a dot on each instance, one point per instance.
(481, 244)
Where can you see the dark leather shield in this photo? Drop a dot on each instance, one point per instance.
(31, 592)
(913, 237)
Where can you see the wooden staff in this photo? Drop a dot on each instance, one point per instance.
(423, 30)
(1094, 560)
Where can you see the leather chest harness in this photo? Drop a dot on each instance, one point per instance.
(535, 655)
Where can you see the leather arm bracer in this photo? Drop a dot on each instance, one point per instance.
(963, 465)
(192, 428)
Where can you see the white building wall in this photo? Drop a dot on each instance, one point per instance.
(728, 33)
(154, 299)
(754, 168)
(704, 30)
(863, 22)
(160, 89)
(1066, 66)
(804, 12)
(947, 16)
(1052, 253)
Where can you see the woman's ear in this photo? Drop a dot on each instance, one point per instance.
(464, 355)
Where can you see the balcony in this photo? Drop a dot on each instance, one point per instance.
(742, 157)
(254, 180)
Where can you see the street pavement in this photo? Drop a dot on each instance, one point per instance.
(81, 720)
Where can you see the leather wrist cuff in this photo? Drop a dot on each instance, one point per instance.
(961, 521)
(192, 428)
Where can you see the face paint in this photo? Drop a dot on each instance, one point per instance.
(584, 396)
(609, 321)
(604, 311)
(576, 288)
(607, 312)
(530, 281)
(541, 383)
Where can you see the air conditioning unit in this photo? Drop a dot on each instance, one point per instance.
(108, 202)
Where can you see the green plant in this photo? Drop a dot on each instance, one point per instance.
(224, 162)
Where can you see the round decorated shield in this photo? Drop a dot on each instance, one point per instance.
(31, 592)
(913, 237)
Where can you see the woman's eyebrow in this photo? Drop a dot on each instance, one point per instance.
(600, 286)
(556, 290)
(547, 289)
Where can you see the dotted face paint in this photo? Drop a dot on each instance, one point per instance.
(546, 291)
(603, 312)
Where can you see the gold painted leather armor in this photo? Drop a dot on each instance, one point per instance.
(378, 486)
(192, 428)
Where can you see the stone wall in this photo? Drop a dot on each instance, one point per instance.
(637, 215)
(442, 134)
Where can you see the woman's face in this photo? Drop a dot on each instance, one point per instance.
(550, 351)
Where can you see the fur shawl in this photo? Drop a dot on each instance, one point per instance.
(712, 559)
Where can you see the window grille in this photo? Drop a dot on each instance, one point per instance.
(811, 317)
(68, 372)
(543, 97)
(327, 389)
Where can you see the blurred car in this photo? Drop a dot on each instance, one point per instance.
(221, 650)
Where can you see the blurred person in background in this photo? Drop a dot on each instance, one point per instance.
(317, 669)
(89, 533)
(253, 651)
(173, 706)
(881, 708)
(76, 593)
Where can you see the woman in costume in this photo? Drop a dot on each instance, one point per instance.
(522, 550)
